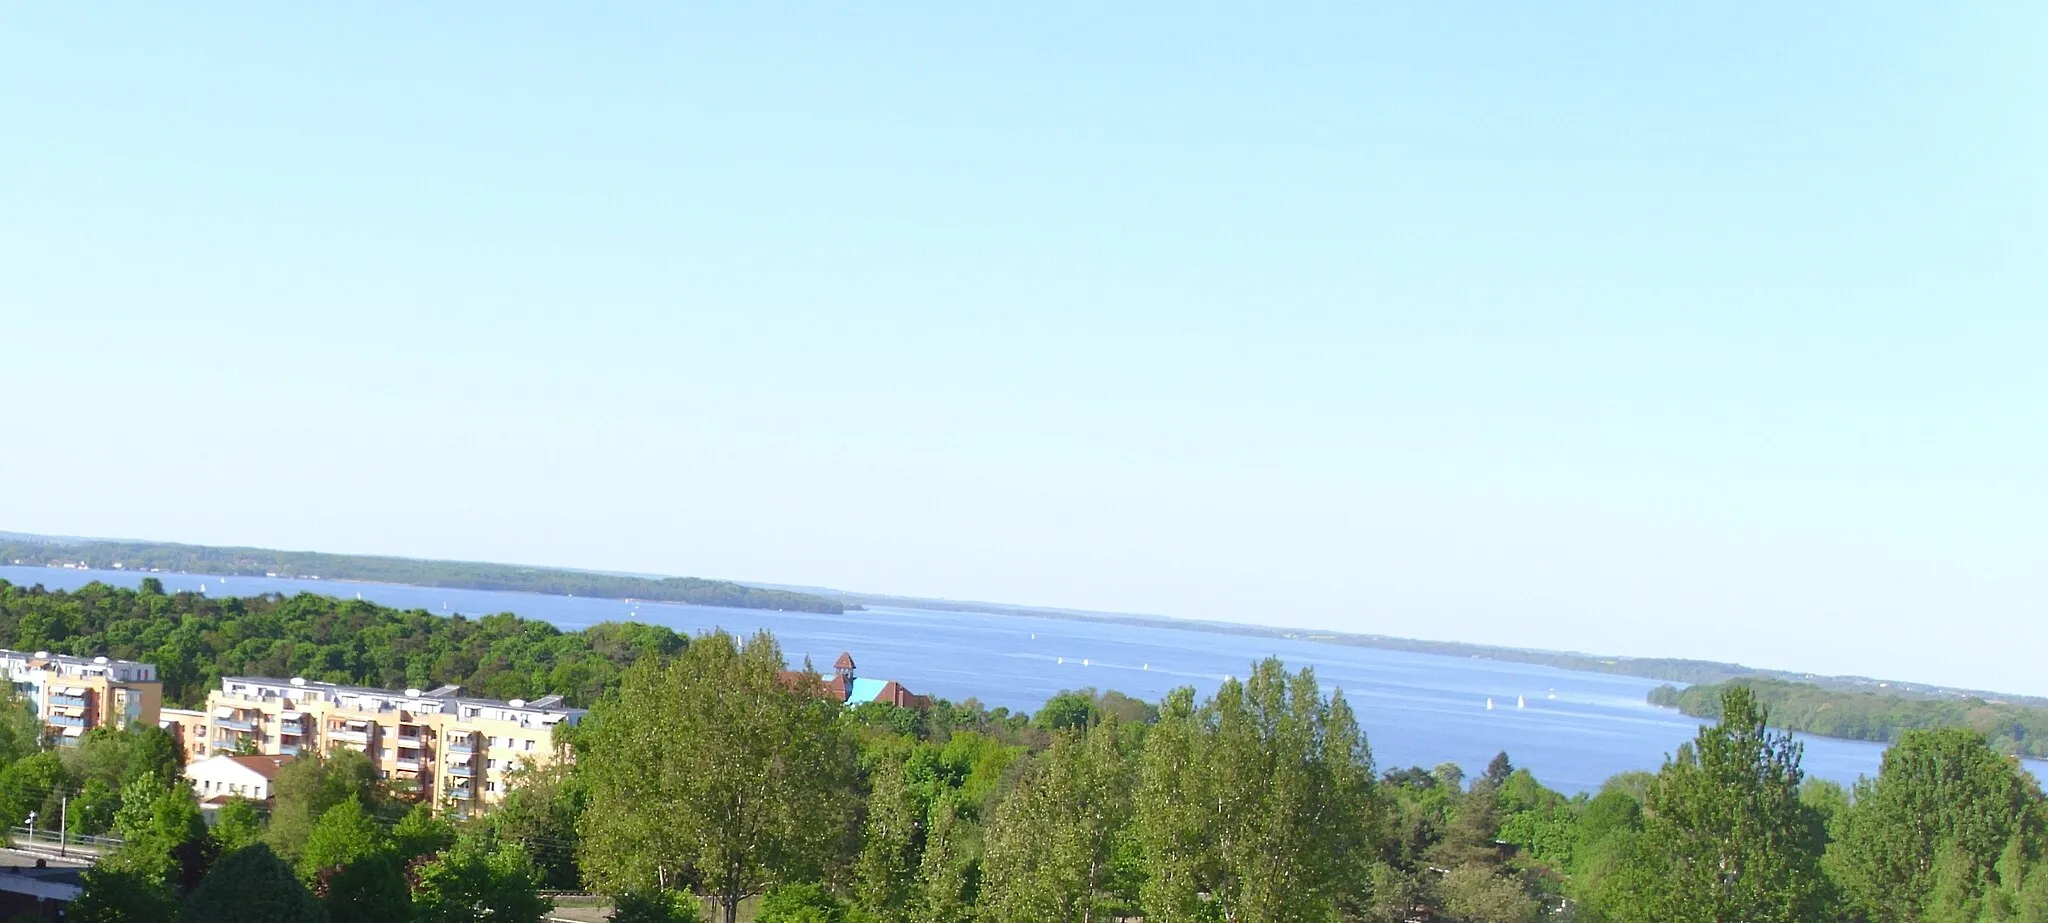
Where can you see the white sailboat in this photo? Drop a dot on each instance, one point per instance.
(1489, 704)
(1060, 660)
(1084, 661)
(1521, 701)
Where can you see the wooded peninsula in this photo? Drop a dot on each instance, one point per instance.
(2011, 728)
(454, 575)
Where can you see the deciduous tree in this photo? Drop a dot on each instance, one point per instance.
(1725, 836)
(308, 787)
(892, 839)
(251, 885)
(1943, 810)
(342, 835)
(1052, 846)
(949, 870)
(710, 767)
(369, 889)
(479, 880)
(1259, 805)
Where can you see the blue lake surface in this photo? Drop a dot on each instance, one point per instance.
(1417, 709)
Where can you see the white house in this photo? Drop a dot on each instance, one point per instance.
(218, 778)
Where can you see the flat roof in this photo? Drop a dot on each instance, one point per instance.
(552, 708)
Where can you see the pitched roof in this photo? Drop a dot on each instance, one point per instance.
(261, 764)
(867, 690)
(845, 661)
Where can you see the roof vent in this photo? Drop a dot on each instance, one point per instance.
(518, 703)
(413, 692)
(42, 653)
(100, 659)
(298, 680)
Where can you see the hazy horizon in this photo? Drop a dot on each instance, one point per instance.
(1708, 333)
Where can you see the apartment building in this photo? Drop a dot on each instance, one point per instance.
(456, 750)
(72, 695)
(190, 729)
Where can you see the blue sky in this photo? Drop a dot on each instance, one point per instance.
(1714, 332)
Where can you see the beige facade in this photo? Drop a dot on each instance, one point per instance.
(72, 695)
(190, 729)
(456, 750)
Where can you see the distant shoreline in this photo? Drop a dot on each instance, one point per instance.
(101, 554)
(139, 557)
(1801, 706)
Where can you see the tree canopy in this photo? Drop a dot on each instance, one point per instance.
(712, 768)
(194, 640)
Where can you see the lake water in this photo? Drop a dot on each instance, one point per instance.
(1417, 709)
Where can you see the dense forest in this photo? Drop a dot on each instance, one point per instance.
(705, 785)
(194, 640)
(460, 575)
(2016, 729)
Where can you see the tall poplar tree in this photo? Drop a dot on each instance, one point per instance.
(1052, 846)
(892, 838)
(1259, 805)
(1725, 836)
(948, 871)
(711, 768)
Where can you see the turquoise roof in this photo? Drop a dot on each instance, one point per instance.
(865, 690)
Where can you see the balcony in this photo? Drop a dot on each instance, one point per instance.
(288, 750)
(69, 721)
(406, 764)
(348, 736)
(233, 725)
(460, 771)
(460, 748)
(68, 701)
